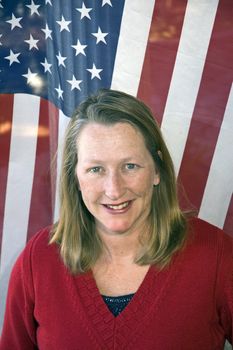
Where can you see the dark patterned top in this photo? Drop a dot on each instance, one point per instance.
(117, 304)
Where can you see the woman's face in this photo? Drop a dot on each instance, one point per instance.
(116, 174)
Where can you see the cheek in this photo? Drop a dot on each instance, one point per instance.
(145, 182)
(82, 181)
(89, 189)
(85, 188)
(86, 194)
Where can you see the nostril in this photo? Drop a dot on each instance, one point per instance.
(114, 188)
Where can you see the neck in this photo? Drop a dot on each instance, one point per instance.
(120, 247)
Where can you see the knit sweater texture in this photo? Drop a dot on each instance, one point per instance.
(186, 306)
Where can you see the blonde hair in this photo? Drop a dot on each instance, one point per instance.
(80, 246)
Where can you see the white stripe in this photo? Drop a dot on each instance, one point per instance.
(187, 74)
(19, 184)
(135, 27)
(219, 187)
(63, 122)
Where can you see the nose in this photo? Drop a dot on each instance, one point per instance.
(114, 186)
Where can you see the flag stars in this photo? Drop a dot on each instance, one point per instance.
(46, 66)
(14, 21)
(59, 92)
(75, 84)
(100, 36)
(0, 41)
(32, 43)
(79, 48)
(48, 2)
(13, 57)
(47, 32)
(61, 59)
(34, 8)
(63, 24)
(84, 11)
(31, 77)
(106, 2)
(95, 72)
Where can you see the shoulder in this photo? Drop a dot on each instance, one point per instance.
(209, 250)
(38, 254)
(40, 238)
(22, 274)
(38, 245)
(36, 264)
(208, 236)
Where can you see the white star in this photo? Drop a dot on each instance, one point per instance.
(32, 43)
(104, 2)
(94, 72)
(47, 32)
(1, 6)
(59, 91)
(14, 21)
(79, 48)
(84, 11)
(48, 2)
(74, 83)
(61, 59)
(30, 76)
(46, 66)
(33, 8)
(12, 57)
(63, 24)
(100, 36)
(0, 37)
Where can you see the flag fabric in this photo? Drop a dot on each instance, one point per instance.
(57, 50)
(187, 80)
(175, 55)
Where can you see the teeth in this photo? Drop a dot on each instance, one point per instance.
(118, 207)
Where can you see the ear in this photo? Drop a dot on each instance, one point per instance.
(156, 179)
(160, 155)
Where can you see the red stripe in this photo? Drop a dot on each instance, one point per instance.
(44, 182)
(228, 225)
(160, 55)
(6, 114)
(210, 107)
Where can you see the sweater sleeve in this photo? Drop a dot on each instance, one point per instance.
(226, 285)
(19, 328)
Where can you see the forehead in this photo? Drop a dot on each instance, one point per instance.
(97, 139)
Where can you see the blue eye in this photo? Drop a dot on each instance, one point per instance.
(95, 169)
(131, 166)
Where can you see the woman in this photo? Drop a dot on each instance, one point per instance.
(123, 268)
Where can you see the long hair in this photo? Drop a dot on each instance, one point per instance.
(75, 233)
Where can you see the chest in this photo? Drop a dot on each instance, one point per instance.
(119, 280)
(162, 304)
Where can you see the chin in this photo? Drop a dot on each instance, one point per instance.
(117, 229)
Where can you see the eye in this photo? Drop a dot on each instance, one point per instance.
(131, 166)
(95, 170)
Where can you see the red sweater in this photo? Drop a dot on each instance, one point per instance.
(188, 305)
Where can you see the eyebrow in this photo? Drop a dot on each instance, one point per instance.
(99, 161)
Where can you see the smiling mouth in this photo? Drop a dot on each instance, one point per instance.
(119, 206)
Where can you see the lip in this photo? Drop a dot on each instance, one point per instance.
(118, 211)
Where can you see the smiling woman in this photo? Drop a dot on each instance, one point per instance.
(108, 133)
(118, 194)
(124, 267)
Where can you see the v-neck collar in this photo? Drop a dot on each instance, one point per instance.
(108, 327)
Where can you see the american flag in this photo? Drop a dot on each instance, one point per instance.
(176, 55)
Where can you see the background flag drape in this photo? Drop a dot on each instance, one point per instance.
(175, 55)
